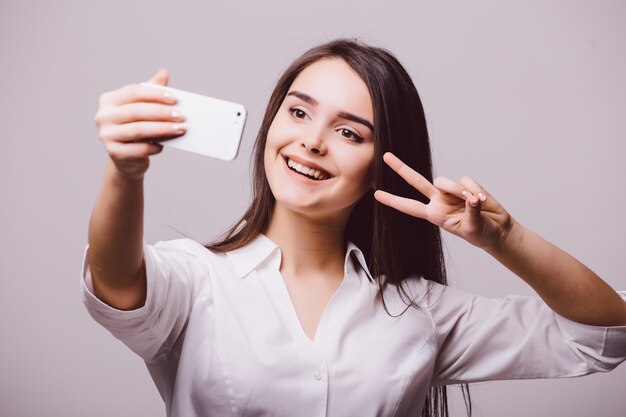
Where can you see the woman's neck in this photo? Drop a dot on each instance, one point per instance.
(309, 246)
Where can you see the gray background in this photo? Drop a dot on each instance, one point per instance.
(526, 97)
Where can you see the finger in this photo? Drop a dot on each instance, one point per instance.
(137, 131)
(446, 185)
(472, 202)
(474, 188)
(133, 112)
(133, 93)
(162, 77)
(472, 218)
(412, 177)
(130, 151)
(405, 205)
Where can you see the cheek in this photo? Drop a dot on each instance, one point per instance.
(272, 145)
(271, 134)
(360, 168)
(269, 162)
(278, 135)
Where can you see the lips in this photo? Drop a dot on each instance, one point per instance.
(307, 169)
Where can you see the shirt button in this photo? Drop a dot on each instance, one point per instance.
(317, 375)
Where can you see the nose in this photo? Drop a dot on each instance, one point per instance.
(314, 143)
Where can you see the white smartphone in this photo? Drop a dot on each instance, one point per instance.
(214, 127)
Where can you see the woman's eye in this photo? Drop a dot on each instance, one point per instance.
(299, 114)
(347, 133)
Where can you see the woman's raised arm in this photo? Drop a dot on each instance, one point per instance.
(467, 210)
(131, 122)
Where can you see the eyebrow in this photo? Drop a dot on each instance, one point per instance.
(344, 115)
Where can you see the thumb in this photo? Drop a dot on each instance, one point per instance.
(162, 77)
(472, 216)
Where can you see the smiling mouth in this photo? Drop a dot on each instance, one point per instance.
(307, 172)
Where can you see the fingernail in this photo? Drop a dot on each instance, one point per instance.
(179, 127)
(464, 193)
(170, 97)
(177, 115)
(473, 202)
(482, 197)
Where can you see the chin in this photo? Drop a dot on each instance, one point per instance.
(314, 209)
(300, 202)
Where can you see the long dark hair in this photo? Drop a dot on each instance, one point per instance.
(396, 246)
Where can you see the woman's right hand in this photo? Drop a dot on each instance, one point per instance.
(133, 120)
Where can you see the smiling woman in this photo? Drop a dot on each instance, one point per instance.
(326, 298)
(311, 132)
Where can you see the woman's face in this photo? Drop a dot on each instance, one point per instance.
(320, 145)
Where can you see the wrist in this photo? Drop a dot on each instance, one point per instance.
(510, 239)
(122, 177)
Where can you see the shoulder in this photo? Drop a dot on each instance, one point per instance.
(424, 292)
(183, 245)
(185, 250)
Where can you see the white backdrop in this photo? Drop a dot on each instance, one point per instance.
(528, 97)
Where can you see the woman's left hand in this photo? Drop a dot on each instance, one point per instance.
(464, 208)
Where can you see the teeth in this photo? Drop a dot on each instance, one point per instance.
(306, 170)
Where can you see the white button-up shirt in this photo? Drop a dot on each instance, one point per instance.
(220, 337)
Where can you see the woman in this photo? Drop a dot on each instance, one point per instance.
(321, 301)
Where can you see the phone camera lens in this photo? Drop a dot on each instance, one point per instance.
(238, 113)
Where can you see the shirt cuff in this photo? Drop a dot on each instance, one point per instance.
(101, 311)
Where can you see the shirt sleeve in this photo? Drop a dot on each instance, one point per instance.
(516, 337)
(174, 271)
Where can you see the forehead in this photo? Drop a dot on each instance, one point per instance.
(336, 86)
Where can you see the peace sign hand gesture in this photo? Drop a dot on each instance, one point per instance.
(464, 208)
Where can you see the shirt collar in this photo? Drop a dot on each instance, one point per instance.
(247, 258)
(356, 253)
